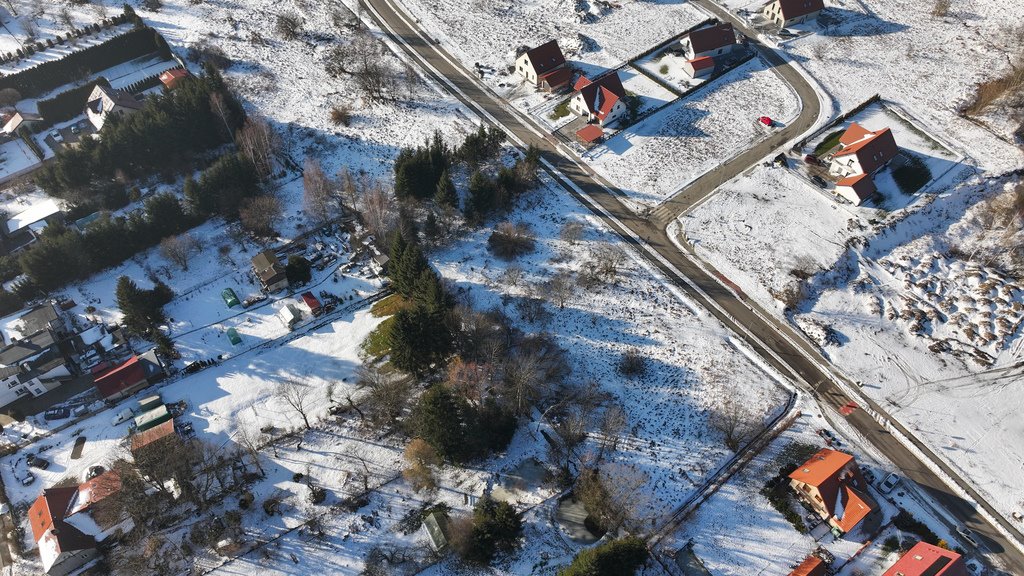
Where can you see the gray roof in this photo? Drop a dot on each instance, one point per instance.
(16, 352)
(151, 363)
(265, 260)
(38, 319)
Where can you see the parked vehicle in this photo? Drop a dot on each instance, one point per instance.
(56, 136)
(37, 462)
(812, 159)
(819, 181)
(75, 129)
(889, 482)
(80, 410)
(56, 413)
(93, 472)
(122, 417)
(968, 535)
(28, 479)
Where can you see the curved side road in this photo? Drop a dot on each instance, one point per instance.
(771, 339)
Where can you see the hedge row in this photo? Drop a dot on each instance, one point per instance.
(49, 75)
(67, 105)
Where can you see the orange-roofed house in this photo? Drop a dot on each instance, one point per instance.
(790, 12)
(601, 99)
(171, 78)
(862, 151)
(811, 566)
(927, 560)
(831, 483)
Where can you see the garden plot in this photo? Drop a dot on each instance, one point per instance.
(669, 67)
(651, 94)
(593, 35)
(691, 364)
(931, 64)
(656, 157)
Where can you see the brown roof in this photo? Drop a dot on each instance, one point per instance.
(556, 78)
(590, 133)
(146, 437)
(796, 8)
(873, 150)
(712, 38)
(811, 566)
(546, 57)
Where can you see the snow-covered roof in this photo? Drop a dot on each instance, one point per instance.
(38, 211)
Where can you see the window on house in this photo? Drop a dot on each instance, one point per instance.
(817, 497)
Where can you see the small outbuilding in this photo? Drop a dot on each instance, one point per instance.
(590, 134)
(315, 307)
(857, 189)
(701, 67)
(230, 298)
(171, 78)
(435, 526)
(233, 337)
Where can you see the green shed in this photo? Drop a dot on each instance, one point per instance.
(234, 337)
(230, 298)
(156, 416)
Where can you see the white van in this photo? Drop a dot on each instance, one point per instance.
(123, 416)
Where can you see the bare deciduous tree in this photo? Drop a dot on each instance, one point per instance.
(350, 189)
(613, 423)
(288, 25)
(249, 439)
(421, 459)
(259, 143)
(734, 421)
(220, 108)
(614, 495)
(259, 215)
(179, 249)
(512, 276)
(560, 288)
(522, 379)
(571, 232)
(317, 196)
(379, 210)
(387, 397)
(298, 397)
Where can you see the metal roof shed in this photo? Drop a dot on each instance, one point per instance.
(154, 417)
(230, 298)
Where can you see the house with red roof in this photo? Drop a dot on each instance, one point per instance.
(699, 67)
(711, 41)
(857, 189)
(68, 522)
(171, 78)
(831, 483)
(927, 560)
(811, 566)
(862, 151)
(116, 381)
(601, 99)
(544, 67)
(790, 12)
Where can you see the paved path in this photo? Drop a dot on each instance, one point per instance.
(774, 340)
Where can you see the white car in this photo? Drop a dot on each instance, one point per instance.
(968, 535)
(123, 416)
(56, 136)
(889, 482)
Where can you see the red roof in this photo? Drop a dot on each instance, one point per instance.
(854, 133)
(702, 62)
(821, 468)
(855, 507)
(811, 566)
(171, 77)
(927, 560)
(545, 57)
(601, 94)
(117, 379)
(873, 150)
(840, 485)
(556, 78)
(861, 184)
(311, 301)
(46, 516)
(147, 437)
(712, 37)
(796, 8)
(93, 491)
(590, 133)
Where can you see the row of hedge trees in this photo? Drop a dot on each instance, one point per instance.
(163, 136)
(37, 80)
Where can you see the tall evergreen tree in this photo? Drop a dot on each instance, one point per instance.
(446, 194)
(441, 418)
(482, 198)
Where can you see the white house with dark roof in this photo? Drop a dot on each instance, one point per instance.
(544, 67)
(104, 102)
(711, 41)
(790, 12)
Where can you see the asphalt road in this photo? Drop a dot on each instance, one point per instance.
(773, 340)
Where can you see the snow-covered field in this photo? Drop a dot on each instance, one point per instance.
(593, 35)
(656, 157)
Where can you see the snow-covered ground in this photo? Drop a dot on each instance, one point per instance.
(593, 35)
(656, 157)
